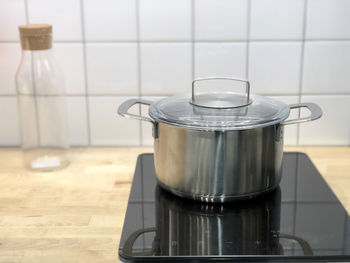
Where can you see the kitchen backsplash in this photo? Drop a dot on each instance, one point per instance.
(111, 50)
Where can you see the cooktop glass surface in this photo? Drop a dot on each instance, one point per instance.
(301, 221)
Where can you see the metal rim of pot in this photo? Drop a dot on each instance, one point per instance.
(203, 102)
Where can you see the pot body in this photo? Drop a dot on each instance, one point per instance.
(218, 166)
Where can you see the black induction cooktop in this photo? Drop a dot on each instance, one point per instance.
(301, 221)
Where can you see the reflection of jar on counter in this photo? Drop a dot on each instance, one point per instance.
(42, 105)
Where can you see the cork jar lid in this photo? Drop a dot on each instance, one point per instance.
(35, 36)
(35, 29)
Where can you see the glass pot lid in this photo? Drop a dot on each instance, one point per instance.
(219, 110)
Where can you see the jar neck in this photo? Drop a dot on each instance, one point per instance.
(41, 52)
(38, 55)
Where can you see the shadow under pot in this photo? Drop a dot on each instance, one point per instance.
(219, 146)
(248, 227)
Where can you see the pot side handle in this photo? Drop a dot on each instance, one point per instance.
(307, 250)
(126, 105)
(315, 110)
(129, 243)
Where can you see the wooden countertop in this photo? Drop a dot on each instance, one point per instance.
(76, 214)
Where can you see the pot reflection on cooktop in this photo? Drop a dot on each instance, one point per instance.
(302, 220)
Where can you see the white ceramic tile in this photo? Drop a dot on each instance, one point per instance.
(334, 126)
(9, 122)
(110, 19)
(165, 19)
(220, 59)
(112, 68)
(221, 20)
(326, 67)
(71, 61)
(146, 127)
(328, 19)
(109, 128)
(77, 121)
(274, 68)
(166, 68)
(10, 56)
(290, 131)
(276, 19)
(12, 14)
(64, 15)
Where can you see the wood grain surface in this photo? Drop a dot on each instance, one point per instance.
(76, 215)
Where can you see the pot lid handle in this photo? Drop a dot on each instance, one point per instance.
(223, 101)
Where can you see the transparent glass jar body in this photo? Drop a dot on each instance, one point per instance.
(42, 110)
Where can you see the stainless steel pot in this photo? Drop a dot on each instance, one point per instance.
(217, 147)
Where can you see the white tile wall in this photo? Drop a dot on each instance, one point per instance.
(64, 15)
(107, 127)
(77, 121)
(110, 20)
(12, 14)
(328, 19)
(220, 59)
(111, 68)
(223, 20)
(70, 57)
(334, 126)
(327, 67)
(165, 68)
(165, 19)
(112, 50)
(277, 19)
(274, 68)
(9, 131)
(10, 56)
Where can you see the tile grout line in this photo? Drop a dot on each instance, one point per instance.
(168, 94)
(248, 39)
(33, 82)
(138, 57)
(14, 95)
(301, 70)
(87, 102)
(26, 10)
(230, 41)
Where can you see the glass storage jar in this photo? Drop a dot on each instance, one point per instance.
(41, 100)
